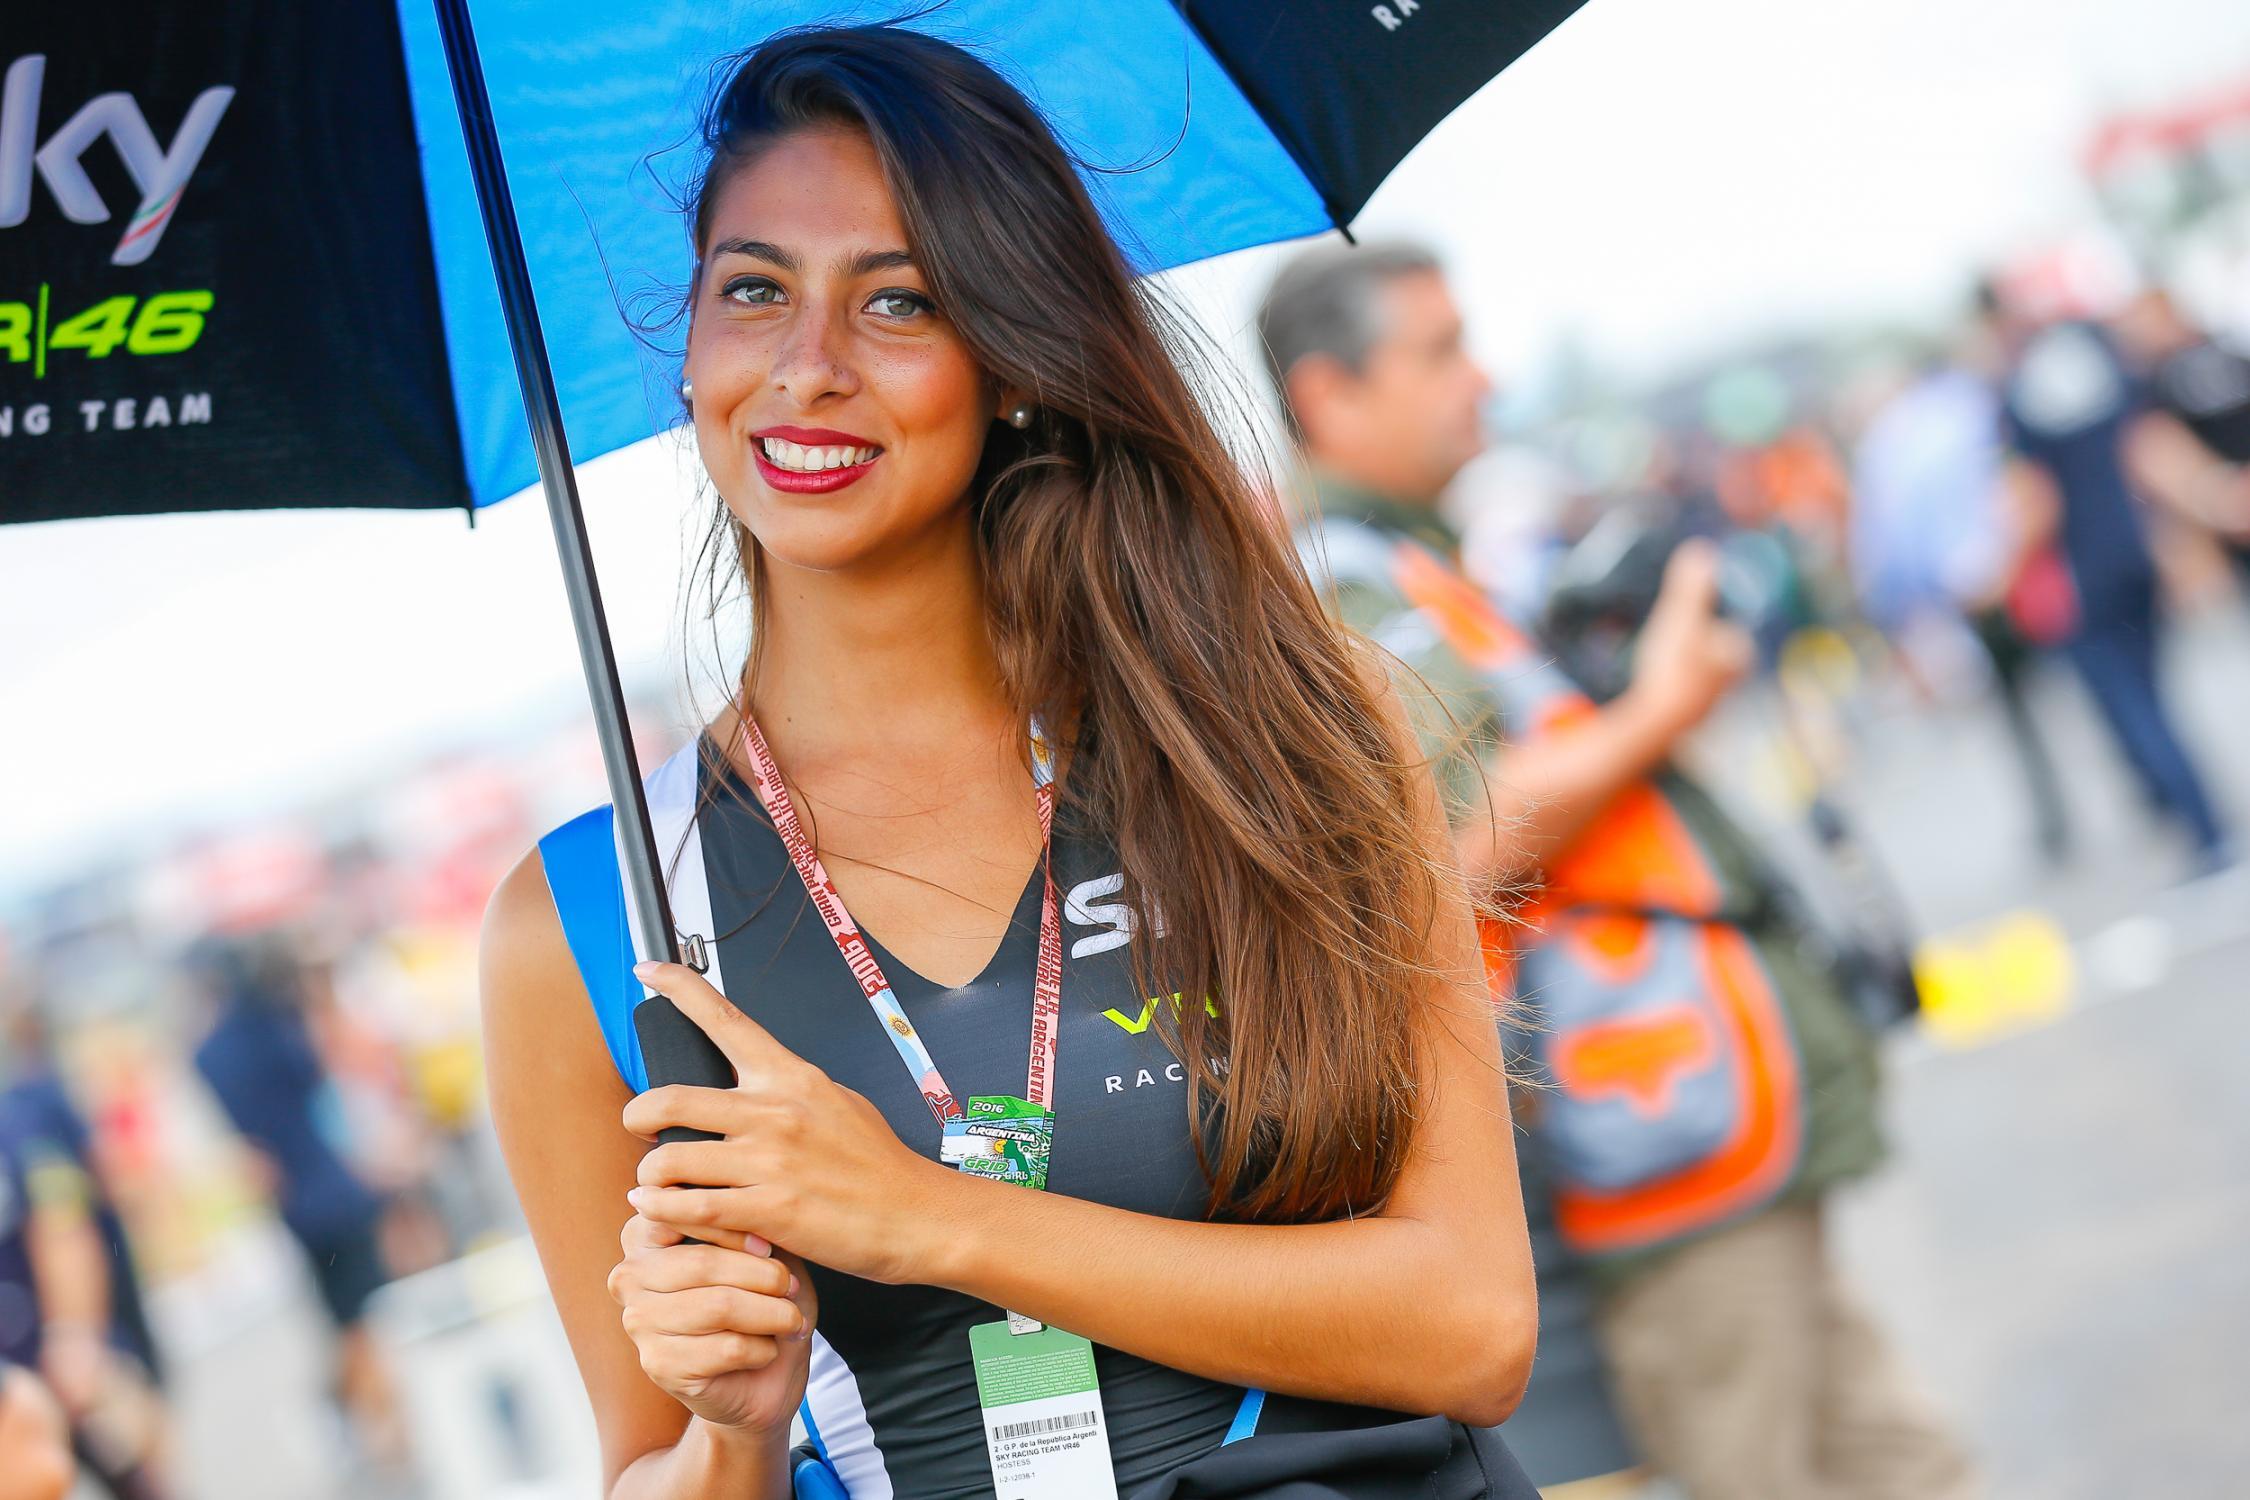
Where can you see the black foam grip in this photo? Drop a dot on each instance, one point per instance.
(675, 1050)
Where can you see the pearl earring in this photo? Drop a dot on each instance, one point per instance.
(1020, 418)
(687, 391)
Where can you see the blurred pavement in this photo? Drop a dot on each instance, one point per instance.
(2061, 1242)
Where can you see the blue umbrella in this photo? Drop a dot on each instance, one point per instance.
(1208, 128)
(260, 254)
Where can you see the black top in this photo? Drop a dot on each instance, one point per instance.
(1121, 1132)
(2207, 386)
(892, 1389)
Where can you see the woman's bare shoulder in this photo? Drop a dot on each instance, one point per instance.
(536, 1011)
(523, 938)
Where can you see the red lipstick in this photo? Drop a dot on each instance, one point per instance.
(816, 481)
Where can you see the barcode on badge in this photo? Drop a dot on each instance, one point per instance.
(1036, 1425)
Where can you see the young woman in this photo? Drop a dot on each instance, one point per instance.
(1041, 731)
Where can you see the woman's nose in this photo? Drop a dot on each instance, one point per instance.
(813, 361)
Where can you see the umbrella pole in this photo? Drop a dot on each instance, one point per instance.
(675, 1050)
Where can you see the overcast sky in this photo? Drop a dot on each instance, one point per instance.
(1655, 178)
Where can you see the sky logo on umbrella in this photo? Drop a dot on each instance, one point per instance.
(160, 172)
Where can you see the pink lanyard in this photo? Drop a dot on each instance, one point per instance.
(1046, 989)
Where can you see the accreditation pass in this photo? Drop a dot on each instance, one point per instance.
(1043, 1424)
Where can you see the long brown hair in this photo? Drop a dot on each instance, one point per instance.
(1219, 728)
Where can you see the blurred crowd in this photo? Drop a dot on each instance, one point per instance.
(2057, 474)
(264, 1037)
(269, 1036)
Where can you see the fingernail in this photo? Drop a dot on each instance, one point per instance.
(644, 969)
(638, 1197)
(792, 1286)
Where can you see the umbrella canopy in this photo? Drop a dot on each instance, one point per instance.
(259, 253)
(242, 263)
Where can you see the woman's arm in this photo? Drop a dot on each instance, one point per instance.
(555, 1100)
(1428, 1306)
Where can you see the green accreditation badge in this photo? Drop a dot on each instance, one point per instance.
(1002, 1137)
(1043, 1424)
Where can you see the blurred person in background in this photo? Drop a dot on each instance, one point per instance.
(260, 1060)
(1567, 1432)
(2067, 402)
(2189, 449)
(36, 1104)
(1654, 957)
(1935, 538)
(35, 1462)
(57, 1311)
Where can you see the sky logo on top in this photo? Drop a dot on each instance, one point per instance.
(160, 172)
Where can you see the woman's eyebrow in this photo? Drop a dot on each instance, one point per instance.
(758, 250)
(867, 262)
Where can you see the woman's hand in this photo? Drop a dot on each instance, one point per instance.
(800, 1161)
(726, 1333)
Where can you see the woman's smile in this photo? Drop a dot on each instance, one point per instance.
(812, 460)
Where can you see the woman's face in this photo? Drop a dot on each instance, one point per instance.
(837, 409)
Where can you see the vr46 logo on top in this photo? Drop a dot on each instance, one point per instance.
(160, 172)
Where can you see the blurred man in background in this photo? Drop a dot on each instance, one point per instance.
(260, 1060)
(58, 1311)
(36, 1105)
(2067, 403)
(1707, 1080)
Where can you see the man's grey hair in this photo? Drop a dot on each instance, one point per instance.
(1326, 302)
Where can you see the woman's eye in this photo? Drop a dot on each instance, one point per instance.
(751, 291)
(900, 304)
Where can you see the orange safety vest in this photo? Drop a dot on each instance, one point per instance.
(1675, 1099)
